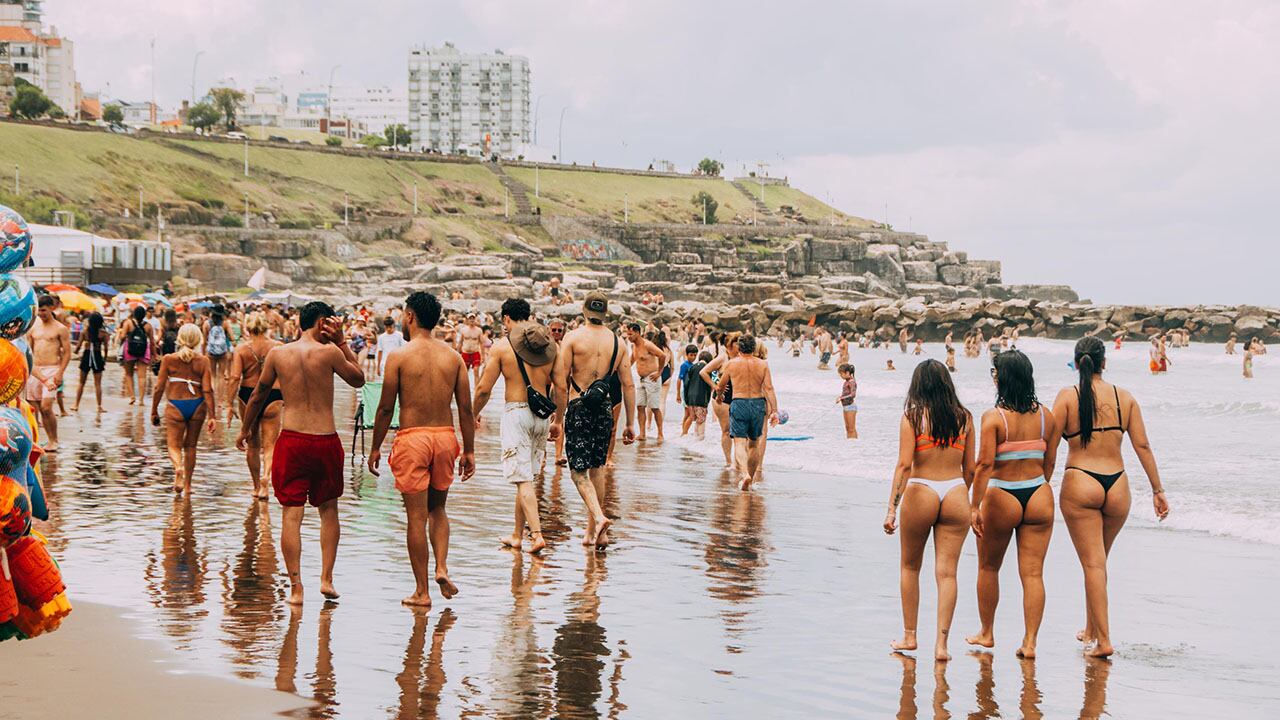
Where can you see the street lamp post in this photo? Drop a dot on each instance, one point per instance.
(536, 182)
(415, 197)
(246, 157)
(246, 210)
(194, 63)
(560, 138)
(537, 105)
(346, 209)
(328, 101)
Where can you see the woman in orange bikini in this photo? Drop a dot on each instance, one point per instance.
(935, 468)
(1020, 500)
(1095, 417)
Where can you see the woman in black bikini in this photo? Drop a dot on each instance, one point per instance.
(1011, 494)
(246, 366)
(1095, 417)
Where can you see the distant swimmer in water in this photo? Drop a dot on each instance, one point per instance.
(951, 359)
(842, 349)
(822, 340)
(1248, 357)
(1017, 455)
(919, 346)
(1231, 344)
(753, 403)
(1095, 498)
(1119, 338)
(849, 400)
(902, 340)
(888, 364)
(930, 482)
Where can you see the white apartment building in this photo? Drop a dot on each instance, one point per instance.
(41, 58)
(376, 108)
(464, 103)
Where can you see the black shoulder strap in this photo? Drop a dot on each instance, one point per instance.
(1119, 415)
(614, 357)
(520, 364)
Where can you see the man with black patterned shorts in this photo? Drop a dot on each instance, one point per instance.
(589, 358)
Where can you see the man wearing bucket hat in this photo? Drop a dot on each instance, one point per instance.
(591, 358)
(525, 360)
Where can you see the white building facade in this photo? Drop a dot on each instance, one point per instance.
(376, 108)
(465, 103)
(42, 58)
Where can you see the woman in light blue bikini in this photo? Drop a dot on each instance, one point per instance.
(935, 468)
(186, 380)
(1017, 455)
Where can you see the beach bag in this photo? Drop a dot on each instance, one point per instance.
(217, 342)
(137, 341)
(597, 395)
(542, 406)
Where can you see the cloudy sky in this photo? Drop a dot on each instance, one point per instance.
(1125, 147)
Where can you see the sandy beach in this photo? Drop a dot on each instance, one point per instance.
(96, 665)
(780, 602)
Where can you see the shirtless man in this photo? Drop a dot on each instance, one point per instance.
(471, 345)
(823, 340)
(902, 340)
(525, 359)
(307, 464)
(276, 321)
(426, 376)
(584, 411)
(558, 329)
(50, 343)
(648, 360)
(753, 402)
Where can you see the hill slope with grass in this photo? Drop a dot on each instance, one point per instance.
(202, 181)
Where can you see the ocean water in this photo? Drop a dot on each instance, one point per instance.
(1205, 422)
(711, 602)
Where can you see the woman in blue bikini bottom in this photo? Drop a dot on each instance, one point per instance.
(186, 380)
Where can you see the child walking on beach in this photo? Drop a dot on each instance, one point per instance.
(697, 396)
(848, 398)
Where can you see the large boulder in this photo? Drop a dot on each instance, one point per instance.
(821, 250)
(219, 270)
(920, 271)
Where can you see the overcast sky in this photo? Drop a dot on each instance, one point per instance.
(1125, 147)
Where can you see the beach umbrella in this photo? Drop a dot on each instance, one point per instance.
(77, 301)
(103, 289)
(201, 305)
(259, 279)
(60, 287)
(155, 297)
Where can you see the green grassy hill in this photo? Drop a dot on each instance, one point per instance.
(99, 174)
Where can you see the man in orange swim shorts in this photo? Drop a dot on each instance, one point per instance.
(427, 376)
(307, 464)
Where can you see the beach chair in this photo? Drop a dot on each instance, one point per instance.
(366, 413)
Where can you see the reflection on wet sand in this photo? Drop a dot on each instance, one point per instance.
(907, 707)
(423, 677)
(735, 553)
(985, 690)
(579, 649)
(324, 684)
(251, 595)
(178, 587)
(1096, 672)
(520, 676)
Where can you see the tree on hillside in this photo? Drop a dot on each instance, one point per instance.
(373, 141)
(227, 101)
(705, 206)
(707, 166)
(203, 116)
(113, 114)
(397, 135)
(30, 102)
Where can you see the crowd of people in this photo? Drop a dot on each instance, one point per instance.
(569, 385)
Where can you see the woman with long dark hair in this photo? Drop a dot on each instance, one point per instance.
(1095, 417)
(1016, 458)
(217, 347)
(726, 350)
(93, 359)
(137, 347)
(935, 468)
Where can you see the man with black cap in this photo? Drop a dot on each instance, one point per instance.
(525, 359)
(591, 360)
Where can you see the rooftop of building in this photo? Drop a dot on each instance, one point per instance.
(10, 33)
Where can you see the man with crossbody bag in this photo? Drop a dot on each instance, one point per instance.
(524, 358)
(590, 359)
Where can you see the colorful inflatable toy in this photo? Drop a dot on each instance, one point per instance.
(25, 349)
(17, 307)
(15, 240)
(13, 372)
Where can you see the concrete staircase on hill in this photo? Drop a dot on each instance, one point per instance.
(754, 197)
(519, 193)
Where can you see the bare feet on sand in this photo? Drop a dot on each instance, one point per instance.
(418, 600)
(908, 641)
(295, 596)
(536, 543)
(1027, 652)
(940, 652)
(447, 588)
(984, 639)
(602, 533)
(326, 589)
(511, 541)
(1100, 650)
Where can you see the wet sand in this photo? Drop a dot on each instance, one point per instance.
(711, 603)
(96, 666)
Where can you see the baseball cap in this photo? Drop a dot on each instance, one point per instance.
(596, 306)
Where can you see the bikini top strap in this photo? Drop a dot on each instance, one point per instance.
(1041, 422)
(1006, 423)
(1119, 416)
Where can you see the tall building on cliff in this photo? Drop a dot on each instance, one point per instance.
(39, 56)
(472, 104)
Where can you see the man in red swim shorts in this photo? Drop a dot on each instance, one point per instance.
(307, 466)
(427, 377)
(471, 345)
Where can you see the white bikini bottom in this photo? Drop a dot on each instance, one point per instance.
(941, 487)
